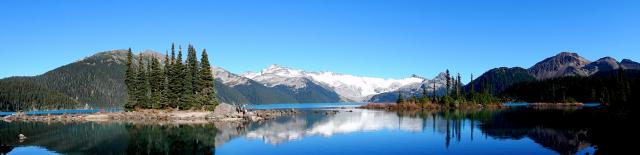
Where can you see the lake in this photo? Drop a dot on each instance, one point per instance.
(518, 130)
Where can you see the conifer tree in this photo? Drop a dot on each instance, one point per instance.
(206, 95)
(448, 82)
(142, 85)
(164, 100)
(400, 99)
(187, 98)
(458, 85)
(156, 81)
(130, 81)
(179, 84)
(192, 69)
(173, 80)
(473, 87)
(434, 92)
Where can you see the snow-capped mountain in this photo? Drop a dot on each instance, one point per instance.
(276, 75)
(348, 87)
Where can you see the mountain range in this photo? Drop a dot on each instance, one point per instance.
(328, 86)
(561, 65)
(98, 81)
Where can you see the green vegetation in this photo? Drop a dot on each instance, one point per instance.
(496, 80)
(97, 81)
(176, 85)
(454, 96)
(20, 93)
(613, 87)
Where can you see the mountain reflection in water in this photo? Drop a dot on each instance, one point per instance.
(518, 130)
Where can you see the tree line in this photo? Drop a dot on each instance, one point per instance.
(174, 83)
(617, 87)
(21, 93)
(454, 94)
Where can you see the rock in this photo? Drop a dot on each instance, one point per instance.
(226, 111)
(255, 118)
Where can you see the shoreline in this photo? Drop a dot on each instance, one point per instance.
(223, 113)
(545, 104)
(432, 106)
(428, 106)
(231, 113)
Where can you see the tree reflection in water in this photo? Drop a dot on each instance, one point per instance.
(563, 131)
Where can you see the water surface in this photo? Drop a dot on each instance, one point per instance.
(319, 131)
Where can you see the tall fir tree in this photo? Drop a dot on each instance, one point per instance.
(180, 81)
(206, 94)
(401, 99)
(192, 69)
(164, 100)
(174, 79)
(434, 92)
(448, 82)
(187, 98)
(156, 81)
(473, 87)
(458, 85)
(142, 85)
(130, 81)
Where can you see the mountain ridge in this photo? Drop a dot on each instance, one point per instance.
(98, 80)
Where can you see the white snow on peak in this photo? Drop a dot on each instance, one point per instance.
(349, 87)
(275, 75)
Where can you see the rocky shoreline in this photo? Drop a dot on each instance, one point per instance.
(222, 113)
(428, 106)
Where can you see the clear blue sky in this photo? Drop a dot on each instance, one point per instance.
(392, 38)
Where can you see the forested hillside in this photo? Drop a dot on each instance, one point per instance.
(97, 81)
(610, 87)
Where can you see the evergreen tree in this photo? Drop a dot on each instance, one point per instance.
(206, 95)
(187, 98)
(192, 69)
(130, 81)
(190, 74)
(142, 85)
(473, 88)
(156, 81)
(425, 95)
(458, 85)
(173, 78)
(448, 88)
(434, 92)
(400, 99)
(164, 100)
(179, 84)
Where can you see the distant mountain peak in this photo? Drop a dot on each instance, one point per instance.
(417, 76)
(629, 64)
(564, 63)
(572, 54)
(228, 78)
(275, 66)
(607, 58)
(349, 87)
(627, 61)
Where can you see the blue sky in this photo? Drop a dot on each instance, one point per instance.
(392, 38)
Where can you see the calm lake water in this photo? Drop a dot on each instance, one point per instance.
(519, 130)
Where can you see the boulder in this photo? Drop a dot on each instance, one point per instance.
(224, 110)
